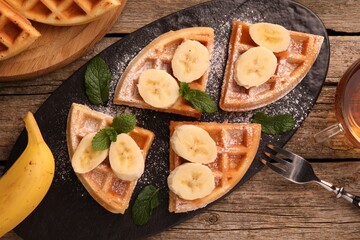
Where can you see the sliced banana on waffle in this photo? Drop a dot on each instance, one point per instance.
(158, 88)
(272, 36)
(254, 67)
(85, 157)
(193, 144)
(126, 159)
(191, 181)
(190, 61)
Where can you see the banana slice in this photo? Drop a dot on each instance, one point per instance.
(254, 67)
(191, 181)
(85, 157)
(158, 88)
(272, 36)
(193, 144)
(190, 61)
(126, 159)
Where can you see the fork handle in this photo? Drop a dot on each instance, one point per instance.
(340, 192)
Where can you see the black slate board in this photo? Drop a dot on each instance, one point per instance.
(68, 211)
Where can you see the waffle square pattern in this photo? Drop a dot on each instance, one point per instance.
(237, 145)
(292, 66)
(108, 190)
(16, 32)
(158, 55)
(65, 12)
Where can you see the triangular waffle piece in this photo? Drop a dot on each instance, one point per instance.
(109, 191)
(237, 144)
(65, 12)
(158, 55)
(16, 32)
(293, 65)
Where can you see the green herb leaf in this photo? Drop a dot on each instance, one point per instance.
(146, 201)
(201, 101)
(184, 88)
(124, 123)
(97, 77)
(103, 138)
(276, 124)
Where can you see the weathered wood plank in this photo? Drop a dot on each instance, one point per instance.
(333, 13)
(321, 116)
(337, 15)
(344, 51)
(271, 207)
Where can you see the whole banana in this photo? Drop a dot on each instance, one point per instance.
(26, 183)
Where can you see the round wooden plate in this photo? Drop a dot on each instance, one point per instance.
(56, 47)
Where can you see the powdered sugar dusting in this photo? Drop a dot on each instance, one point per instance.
(297, 103)
(157, 160)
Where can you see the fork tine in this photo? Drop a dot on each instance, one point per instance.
(272, 155)
(284, 152)
(272, 166)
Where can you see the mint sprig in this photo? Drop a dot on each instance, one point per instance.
(124, 123)
(97, 78)
(121, 124)
(145, 203)
(103, 138)
(201, 101)
(276, 124)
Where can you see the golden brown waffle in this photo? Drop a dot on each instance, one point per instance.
(65, 12)
(293, 65)
(16, 32)
(237, 144)
(158, 55)
(109, 191)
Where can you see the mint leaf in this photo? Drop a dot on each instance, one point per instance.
(155, 202)
(201, 101)
(97, 77)
(103, 138)
(276, 124)
(121, 124)
(124, 123)
(146, 201)
(184, 88)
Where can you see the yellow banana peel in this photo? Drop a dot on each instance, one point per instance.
(26, 183)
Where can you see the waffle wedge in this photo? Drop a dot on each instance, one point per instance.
(16, 32)
(237, 144)
(158, 55)
(109, 191)
(65, 12)
(293, 65)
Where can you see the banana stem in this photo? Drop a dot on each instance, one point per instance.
(34, 134)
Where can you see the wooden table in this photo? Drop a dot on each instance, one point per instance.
(267, 206)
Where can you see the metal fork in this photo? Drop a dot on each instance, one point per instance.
(298, 170)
